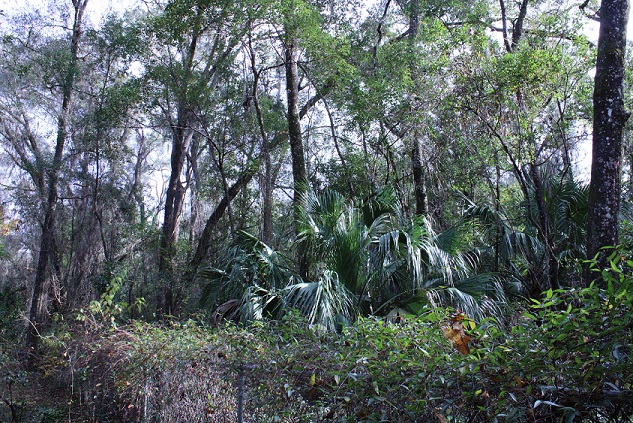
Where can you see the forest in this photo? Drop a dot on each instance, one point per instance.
(315, 211)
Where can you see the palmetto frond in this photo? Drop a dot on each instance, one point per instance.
(250, 271)
(366, 260)
(326, 301)
(477, 295)
(383, 257)
(524, 250)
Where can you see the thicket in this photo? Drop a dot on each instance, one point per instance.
(567, 357)
(245, 287)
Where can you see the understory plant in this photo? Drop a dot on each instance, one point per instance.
(567, 357)
(369, 260)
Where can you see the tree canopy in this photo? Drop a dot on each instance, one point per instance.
(344, 160)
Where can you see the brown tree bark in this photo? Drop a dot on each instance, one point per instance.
(176, 189)
(299, 173)
(174, 202)
(417, 167)
(182, 133)
(419, 178)
(47, 241)
(193, 73)
(205, 239)
(609, 118)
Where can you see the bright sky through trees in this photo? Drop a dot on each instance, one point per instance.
(97, 8)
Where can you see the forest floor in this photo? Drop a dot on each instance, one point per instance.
(30, 395)
(436, 367)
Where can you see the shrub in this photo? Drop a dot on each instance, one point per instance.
(567, 357)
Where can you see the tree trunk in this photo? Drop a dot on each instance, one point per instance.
(267, 229)
(419, 174)
(544, 227)
(174, 201)
(609, 118)
(205, 239)
(299, 173)
(47, 242)
(266, 179)
(419, 178)
(267, 185)
(498, 230)
(230, 193)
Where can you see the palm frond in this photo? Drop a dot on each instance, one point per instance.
(246, 270)
(477, 295)
(326, 302)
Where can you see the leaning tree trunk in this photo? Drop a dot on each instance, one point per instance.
(204, 243)
(47, 242)
(609, 118)
(299, 172)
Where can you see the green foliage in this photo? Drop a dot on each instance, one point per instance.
(528, 68)
(567, 357)
(11, 304)
(182, 18)
(326, 302)
(107, 308)
(386, 260)
(451, 88)
(251, 272)
(365, 261)
(570, 353)
(117, 38)
(519, 242)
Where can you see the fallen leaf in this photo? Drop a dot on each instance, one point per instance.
(454, 332)
(519, 381)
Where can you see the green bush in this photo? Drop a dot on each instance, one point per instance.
(11, 303)
(569, 355)
(567, 358)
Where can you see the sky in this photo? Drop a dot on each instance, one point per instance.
(97, 8)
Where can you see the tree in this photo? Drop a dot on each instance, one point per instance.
(529, 95)
(195, 42)
(47, 243)
(303, 35)
(609, 118)
(98, 181)
(299, 172)
(407, 77)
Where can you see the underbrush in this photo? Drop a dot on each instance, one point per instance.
(567, 357)
(559, 362)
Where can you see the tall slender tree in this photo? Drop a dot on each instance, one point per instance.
(299, 173)
(609, 118)
(301, 30)
(47, 241)
(417, 166)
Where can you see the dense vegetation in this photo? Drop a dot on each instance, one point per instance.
(294, 210)
(564, 358)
